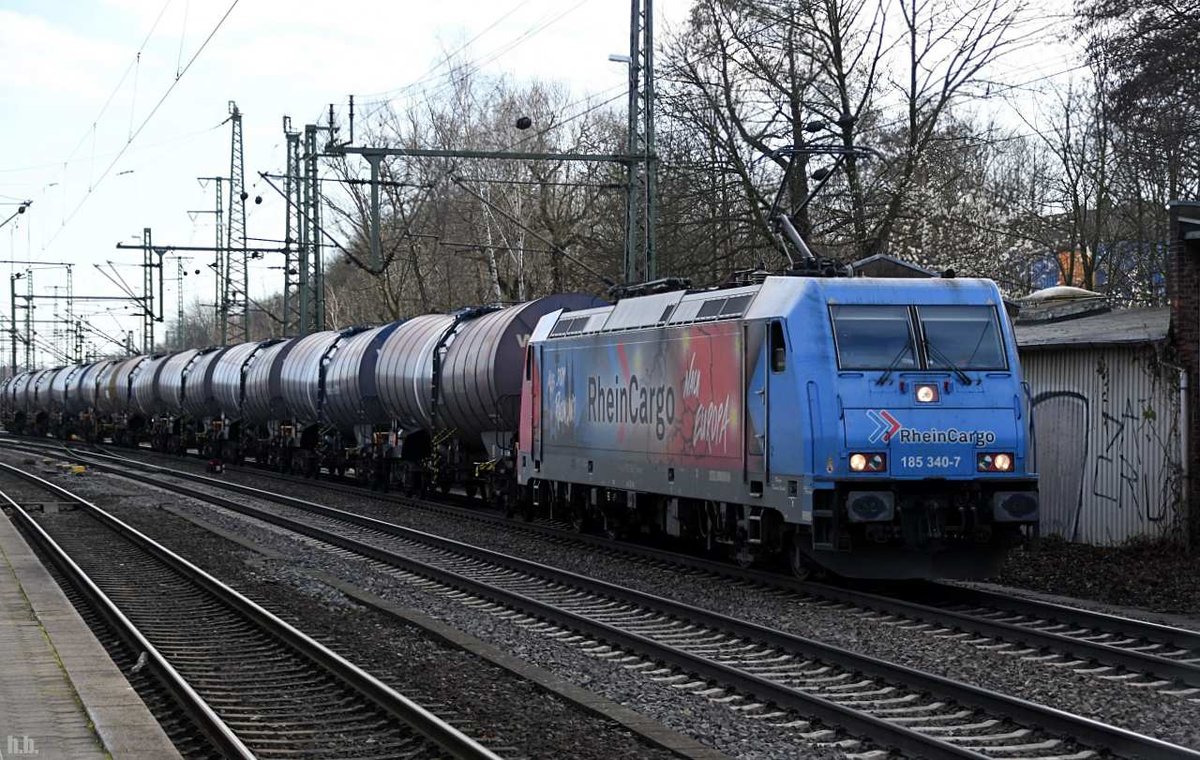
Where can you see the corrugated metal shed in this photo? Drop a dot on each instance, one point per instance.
(1107, 416)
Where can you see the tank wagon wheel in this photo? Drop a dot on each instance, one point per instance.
(471, 490)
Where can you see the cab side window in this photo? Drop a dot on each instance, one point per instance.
(778, 347)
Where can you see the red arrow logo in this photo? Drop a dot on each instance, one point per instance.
(893, 423)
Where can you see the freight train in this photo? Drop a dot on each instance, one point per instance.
(874, 428)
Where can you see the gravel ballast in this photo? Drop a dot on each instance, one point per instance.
(1146, 711)
(1158, 576)
(495, 706)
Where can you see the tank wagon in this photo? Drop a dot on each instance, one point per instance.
(878, 428)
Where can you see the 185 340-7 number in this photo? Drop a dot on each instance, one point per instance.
(930, 462)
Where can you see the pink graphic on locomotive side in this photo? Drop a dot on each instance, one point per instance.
(673, 395)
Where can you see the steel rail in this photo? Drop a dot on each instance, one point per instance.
(1179, 671)
(191, 703)
(951, 593)
(1086, 730)
(421, 720)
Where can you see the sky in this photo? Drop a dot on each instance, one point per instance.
(113, 108)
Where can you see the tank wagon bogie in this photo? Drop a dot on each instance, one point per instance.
(871, 427)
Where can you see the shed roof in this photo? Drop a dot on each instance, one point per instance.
(1114, 328)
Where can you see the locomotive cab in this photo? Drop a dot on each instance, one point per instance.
(933, 473)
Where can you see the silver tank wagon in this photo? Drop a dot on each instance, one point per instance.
(262, 392)
(37, 392)
(481, 372)
(351, 390)
(114, 396)
(82, 388)
(199, 398)
(143, 389)
(404, 372)
(229, 377)
(302, 374)
(176, 374)
(60, 385)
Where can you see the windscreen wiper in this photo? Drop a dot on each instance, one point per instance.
(895, 362)
(941, 356)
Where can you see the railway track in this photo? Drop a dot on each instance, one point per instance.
(251, 683)
(1139, 653)
(862, 703)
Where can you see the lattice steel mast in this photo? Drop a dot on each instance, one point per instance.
(641, 263)
(311, 277)
(235, 302)
(293, 231)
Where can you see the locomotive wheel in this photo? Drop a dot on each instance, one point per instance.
(803, 568)
(743, 555)
(579, 521)
(610, 528)
(471, 490)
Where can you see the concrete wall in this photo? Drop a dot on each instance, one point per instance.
(1108, 443)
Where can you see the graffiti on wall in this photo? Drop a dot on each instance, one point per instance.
(1107, 445)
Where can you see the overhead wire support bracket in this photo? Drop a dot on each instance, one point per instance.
(375, 156)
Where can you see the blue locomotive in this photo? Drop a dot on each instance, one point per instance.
(876, 428)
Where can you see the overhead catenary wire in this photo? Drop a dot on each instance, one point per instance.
(389, 95)
(142, 125)
(472, 67)
(91, 129)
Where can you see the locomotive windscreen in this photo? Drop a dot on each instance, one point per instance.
(873, 337)
(963, 337)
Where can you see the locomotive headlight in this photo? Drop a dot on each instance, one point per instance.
(995, 462)
(868, 462)
(927, 394)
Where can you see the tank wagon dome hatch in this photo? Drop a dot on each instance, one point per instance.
(302, 373)
(351, 395)
(251, 387)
